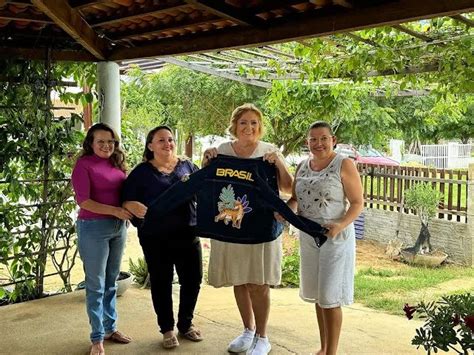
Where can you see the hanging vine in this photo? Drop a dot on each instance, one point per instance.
(36, 155)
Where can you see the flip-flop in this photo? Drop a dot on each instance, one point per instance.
(170, 342)
(118, 337)
(193, 334)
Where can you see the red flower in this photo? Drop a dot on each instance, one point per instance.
(409, 310)
(469, 321)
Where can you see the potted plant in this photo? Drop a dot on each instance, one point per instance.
(449, 324)
(124, 280)
(423, 200)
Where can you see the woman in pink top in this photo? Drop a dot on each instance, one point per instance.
(97, 179)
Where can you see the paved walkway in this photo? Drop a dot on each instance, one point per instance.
(58, 325)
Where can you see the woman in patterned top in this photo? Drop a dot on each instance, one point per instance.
(327, 189)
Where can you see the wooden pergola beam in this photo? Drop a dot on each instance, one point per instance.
(362, 39)
(211, 71)
(387, 14)
(82, 4)
(221, 9)
(8, 15)
(73, 24)
(463, 19)
(412, 33)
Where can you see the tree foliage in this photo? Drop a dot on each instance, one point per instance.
(355, 86)
(193, 103)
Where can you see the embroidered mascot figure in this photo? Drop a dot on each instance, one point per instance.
(231, 209)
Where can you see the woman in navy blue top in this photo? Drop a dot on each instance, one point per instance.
(172, 241)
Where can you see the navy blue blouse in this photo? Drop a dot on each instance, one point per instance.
(145, 183)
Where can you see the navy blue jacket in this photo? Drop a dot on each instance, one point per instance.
(145, 183)
(236, 200)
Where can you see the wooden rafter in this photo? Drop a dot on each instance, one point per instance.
(266, 6)
(8, 15)
(82, 4)
(17, 2)
(72, 23)
(221, 9)
(257, 54)
(160, 29)
(301, 27)
(136, 14)
(412, 33)
(463, 19)
(211, 71)
(277, 51)
(362, 39)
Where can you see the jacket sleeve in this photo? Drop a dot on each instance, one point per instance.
(304, 224)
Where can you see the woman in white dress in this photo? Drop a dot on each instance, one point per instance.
(249, 268)
(327, 189)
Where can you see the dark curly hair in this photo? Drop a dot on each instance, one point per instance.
(118, 156)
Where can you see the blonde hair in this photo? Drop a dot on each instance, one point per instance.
(237, 114)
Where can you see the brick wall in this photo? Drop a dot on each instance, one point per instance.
(453, 238)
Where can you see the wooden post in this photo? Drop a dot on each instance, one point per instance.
(470, 210)
(87, 109)
(188, 149)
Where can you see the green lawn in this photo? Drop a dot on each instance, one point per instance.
(389, 290)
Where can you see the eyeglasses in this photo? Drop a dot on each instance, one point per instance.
(102, 143)
(323, 139)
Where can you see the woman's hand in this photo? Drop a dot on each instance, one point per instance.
(273, 158)
(278, 217)
(122, 213)
(333, 229)
(209, 153)
(138, 209)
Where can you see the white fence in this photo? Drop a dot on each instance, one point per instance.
(447, 156)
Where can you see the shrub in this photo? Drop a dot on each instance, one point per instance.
(449, 324)
(290, 262)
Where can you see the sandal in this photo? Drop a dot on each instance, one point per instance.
(193, 334)
(118, 337)
(170, 342)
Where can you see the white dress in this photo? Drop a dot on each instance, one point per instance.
(326, 273)
(232, 264)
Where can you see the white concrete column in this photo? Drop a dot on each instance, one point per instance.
(108, 76)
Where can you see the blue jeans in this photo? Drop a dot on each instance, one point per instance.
(101, 243)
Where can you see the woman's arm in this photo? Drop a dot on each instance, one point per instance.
(101, 208)
(292, 201)
(353, 191)
(137, 208)
(131, 196)
(285, 180)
